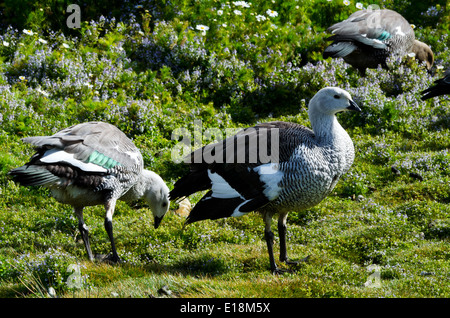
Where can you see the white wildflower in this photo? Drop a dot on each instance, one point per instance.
(237, 12)
(28, 32)
(202, 28)
(359, 5)
(241, 4)
(346, 2)
(219, 12)
(42, 41)
(272, 13)
(260, 18)
(42, 92)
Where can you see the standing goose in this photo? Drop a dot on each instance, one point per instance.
(309, 164)
(90, 164)
(368, 37)
(441, 87)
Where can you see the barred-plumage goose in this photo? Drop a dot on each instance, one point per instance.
(368, 37)
(441, 87)
(273, 168)
(90, 164)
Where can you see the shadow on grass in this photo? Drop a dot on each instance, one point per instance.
(199, 265)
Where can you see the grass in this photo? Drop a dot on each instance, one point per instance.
(229, 259)
(151, 72)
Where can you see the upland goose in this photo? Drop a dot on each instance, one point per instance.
(368, 37)
(90, 164)
(303, 167)
(441, 87)
(423, 53)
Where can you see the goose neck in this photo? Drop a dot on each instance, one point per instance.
(327, 129)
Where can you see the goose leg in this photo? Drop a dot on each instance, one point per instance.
(269, 236)
(362, 71)
(282, 229)
(109, 206)
(84, 232)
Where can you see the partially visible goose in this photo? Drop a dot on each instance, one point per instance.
(310, 163)
(368, 37)
(90, 164)
(423, 53)
(441, 87)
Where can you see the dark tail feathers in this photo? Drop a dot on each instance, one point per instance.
(339, 49)
(33, 176)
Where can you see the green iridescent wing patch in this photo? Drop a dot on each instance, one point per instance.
(384, 36)
(102, 160)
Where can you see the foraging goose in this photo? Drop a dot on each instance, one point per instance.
(309, 164)
(442, 87)
(89, 164)
(423, 53)
(368, 37)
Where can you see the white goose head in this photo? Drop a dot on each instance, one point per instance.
(331, 100)
(156, 195)
(323, 107)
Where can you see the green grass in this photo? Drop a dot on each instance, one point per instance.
(228, 258)
(154, 73)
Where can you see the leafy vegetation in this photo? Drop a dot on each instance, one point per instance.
(156, 66)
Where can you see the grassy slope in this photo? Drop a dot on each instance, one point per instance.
(373, 217)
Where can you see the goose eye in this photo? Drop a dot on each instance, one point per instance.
(164, 204)
(336, 96)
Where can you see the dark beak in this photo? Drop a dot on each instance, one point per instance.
(353, 106)
(157, 221)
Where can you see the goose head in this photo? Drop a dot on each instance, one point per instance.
(423, 53)
(331, 100)
(156, 195)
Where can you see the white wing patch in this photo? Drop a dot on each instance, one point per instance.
(237, 213)
(399, 31)
(377, 41)
(55, 155)
(133, 155)
(270, 175)
(220, 188)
